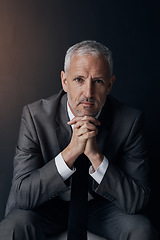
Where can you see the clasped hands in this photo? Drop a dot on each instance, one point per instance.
(83, 141)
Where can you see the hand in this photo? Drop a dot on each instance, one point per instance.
(83, 139)
(93, 153)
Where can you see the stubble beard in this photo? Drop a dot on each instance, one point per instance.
(77, 112)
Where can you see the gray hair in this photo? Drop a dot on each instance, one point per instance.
(88, 47)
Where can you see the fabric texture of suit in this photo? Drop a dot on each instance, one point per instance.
(44, 133)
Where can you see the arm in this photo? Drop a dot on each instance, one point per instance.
(34, 182)
(127, 184)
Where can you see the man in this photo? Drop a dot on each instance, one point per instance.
(83, 119)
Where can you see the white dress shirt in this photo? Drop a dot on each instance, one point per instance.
(66, 172)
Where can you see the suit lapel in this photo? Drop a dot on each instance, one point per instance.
(63, 130)
(104, 129)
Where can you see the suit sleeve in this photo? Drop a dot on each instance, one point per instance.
(126, 182)
(34, 182)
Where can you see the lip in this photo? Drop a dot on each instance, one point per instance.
(87, 103)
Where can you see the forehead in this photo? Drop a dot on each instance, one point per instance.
(89, 63)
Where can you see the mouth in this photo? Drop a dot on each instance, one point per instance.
(87, 104)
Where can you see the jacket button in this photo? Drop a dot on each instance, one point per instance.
(53, 196)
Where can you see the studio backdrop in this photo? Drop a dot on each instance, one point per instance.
(34, 36)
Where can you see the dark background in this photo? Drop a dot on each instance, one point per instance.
(34, 36)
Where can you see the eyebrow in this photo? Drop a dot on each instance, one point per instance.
(81, 76)
(100, 77)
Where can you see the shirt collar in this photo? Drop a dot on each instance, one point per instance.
(70, 114)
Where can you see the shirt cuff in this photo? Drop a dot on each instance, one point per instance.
(99, 173)
(62, 167)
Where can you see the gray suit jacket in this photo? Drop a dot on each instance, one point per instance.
(44, 133)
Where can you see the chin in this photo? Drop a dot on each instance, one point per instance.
(87, 113)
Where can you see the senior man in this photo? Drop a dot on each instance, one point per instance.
(81, 162)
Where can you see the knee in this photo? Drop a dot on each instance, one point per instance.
(19, 223)
(21, 218)
(139, 227)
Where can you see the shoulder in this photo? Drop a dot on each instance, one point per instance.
(47, 102)
(46, 106)
(122, 110)
(119, 115)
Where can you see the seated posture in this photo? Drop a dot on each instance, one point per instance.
(81, 162)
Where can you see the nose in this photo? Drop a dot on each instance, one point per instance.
(88, 89)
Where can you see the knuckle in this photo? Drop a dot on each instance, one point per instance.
(86, 125)
(86, 135)
(85, 117)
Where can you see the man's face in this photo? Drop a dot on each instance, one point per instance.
(87, 84)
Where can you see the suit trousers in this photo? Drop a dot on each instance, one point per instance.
(104, 219)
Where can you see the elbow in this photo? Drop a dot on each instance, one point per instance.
(138, 204)
(23, 201)
(23, 198)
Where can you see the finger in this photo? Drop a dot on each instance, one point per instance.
(85, 118)
(79, 124)
(89, 126)
(91, 119)
(85, 128)
(85, 125)
(74, 120)
(89, 135)
(81, 131)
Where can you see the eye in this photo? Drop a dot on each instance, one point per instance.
(78, 80)
(99, 81)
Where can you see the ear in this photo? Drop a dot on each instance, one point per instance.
(64, 81)
(111, 81)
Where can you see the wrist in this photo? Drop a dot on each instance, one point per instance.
(96, 159)
(69, 156)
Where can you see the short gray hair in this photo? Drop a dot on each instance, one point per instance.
(88, 47)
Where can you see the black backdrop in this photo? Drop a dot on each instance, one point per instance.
(34, 35)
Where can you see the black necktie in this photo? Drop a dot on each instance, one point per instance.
(77, 223)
